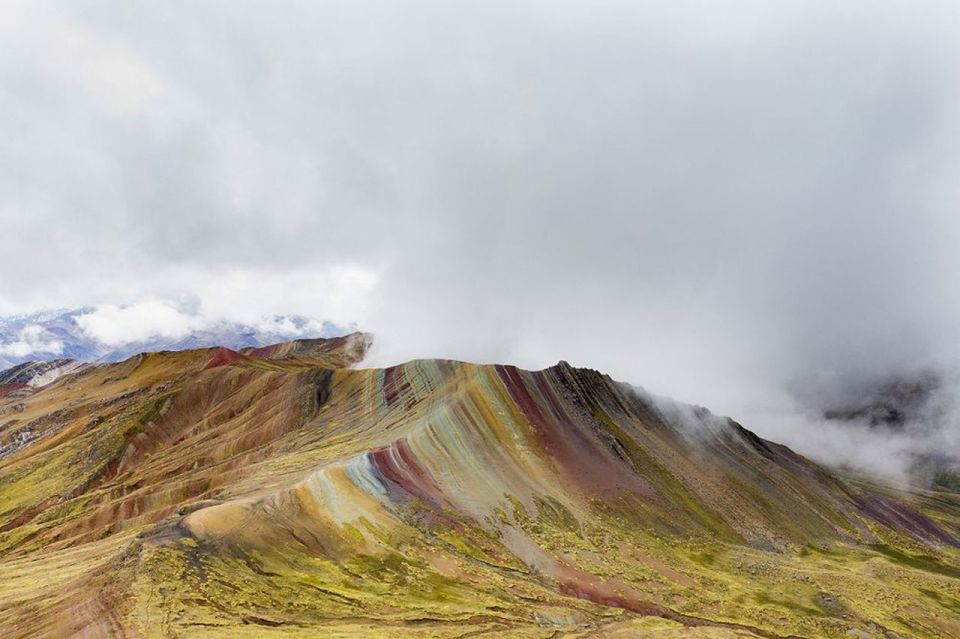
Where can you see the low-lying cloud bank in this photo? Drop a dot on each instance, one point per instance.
(116, 325)
(114, 332)
(113, 325)
(31, 340)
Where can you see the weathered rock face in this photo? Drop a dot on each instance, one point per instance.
(892, 403)
(283, 492)
(39, 373)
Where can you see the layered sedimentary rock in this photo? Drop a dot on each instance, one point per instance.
(35, 374)
(285, 492)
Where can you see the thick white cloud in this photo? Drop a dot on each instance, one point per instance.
(32, 340)
(117, 325)
(725, 202)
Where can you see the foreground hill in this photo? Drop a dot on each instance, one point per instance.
(283, 492)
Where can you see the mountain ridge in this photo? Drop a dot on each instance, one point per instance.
(288, 489)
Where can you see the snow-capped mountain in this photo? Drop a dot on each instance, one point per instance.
(79, 334)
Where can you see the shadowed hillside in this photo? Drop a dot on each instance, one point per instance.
(283, 492)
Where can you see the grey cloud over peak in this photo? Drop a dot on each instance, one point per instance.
(725, 202)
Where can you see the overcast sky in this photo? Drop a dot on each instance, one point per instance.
(720, 201)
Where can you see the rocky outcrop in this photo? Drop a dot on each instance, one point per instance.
(35, 374)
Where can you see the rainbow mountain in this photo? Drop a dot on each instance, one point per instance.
(286, 491)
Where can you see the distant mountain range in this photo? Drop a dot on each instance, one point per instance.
(60, 334)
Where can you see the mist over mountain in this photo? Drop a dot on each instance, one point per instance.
(113, 333)
(914, 417)
(718, 201)
(733, 224)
